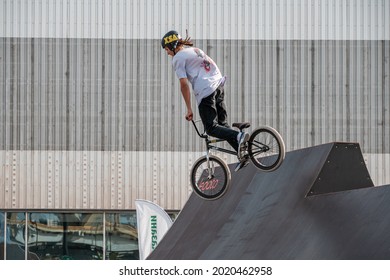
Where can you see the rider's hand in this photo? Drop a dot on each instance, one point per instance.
(189, 115)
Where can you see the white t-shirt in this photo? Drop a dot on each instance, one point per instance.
(202, 72)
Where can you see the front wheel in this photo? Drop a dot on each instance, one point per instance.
(266, 148)
(210, 178)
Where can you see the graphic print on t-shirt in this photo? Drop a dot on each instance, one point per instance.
(206, 62)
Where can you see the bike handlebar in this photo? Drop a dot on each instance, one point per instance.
(197, 130)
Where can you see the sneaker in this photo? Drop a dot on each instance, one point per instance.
(241, 164)
(243, 138)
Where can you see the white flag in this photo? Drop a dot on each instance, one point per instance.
(152, 224)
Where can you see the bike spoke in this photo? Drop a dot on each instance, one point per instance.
(265, 149)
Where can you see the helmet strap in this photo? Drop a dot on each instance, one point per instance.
(174, 49)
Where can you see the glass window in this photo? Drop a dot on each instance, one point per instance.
(77, 236)
(121, 236)
(2, 232)
(15, 240)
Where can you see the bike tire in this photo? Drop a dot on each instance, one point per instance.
(214, 187)
(266, 148)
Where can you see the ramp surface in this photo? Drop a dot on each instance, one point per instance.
(320, 204)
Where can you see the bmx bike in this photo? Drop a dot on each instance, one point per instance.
(211, 176)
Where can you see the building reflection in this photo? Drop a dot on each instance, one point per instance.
(78, 236)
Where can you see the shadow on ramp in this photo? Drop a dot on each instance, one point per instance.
(320, 204)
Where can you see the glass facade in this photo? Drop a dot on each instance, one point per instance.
(75, 236)
(15, 235)
(2, 235)
(66, 235)
(121, 236)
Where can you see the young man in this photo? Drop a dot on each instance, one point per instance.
(193, 65)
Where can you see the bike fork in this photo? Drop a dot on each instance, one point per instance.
(210, 169)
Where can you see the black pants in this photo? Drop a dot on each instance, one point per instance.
(212, 111)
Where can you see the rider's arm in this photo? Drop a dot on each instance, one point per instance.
(185, 91)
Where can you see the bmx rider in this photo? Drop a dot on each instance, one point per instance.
(193, 66)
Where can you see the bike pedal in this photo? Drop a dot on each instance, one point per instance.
(241, 165)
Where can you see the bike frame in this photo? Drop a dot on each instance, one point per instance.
(262, 147)
(209, 142)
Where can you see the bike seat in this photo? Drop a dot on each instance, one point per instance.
(241, 125)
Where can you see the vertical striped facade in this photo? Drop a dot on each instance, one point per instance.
(91, 115)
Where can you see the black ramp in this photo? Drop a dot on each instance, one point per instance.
(344, 169)
(268, 216)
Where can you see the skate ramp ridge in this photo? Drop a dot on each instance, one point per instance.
(320, 204)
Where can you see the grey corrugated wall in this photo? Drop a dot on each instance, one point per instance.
(91, 116)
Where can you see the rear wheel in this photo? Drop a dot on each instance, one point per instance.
(210, 178)
(266, 148)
